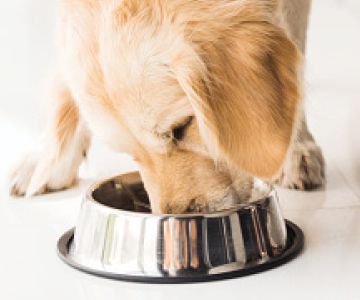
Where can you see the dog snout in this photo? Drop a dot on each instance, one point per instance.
(185, 183)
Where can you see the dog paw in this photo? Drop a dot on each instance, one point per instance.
(304, 169)
(39, 174)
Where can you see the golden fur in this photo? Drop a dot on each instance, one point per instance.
(136, 70)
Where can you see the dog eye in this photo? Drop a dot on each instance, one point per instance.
(178, 132)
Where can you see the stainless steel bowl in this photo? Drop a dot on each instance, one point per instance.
(117, 237)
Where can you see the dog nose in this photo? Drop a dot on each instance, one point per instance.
(194, 206)
(182, 207)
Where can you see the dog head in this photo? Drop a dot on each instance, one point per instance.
(206, 91)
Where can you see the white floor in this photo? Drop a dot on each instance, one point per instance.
(329, 268)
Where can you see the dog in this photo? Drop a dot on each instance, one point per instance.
(205, 95)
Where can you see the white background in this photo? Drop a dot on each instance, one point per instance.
(329, 268)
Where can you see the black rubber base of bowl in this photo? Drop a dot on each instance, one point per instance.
(294, 246)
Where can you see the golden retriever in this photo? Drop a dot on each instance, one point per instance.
(204, 94)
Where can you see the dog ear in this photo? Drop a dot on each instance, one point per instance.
(247, 98)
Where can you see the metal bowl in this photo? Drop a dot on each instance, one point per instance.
(116, 236)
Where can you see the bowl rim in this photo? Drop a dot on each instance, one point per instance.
(117, 211)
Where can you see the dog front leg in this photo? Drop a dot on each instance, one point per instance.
(304, 168)
(54, 166)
